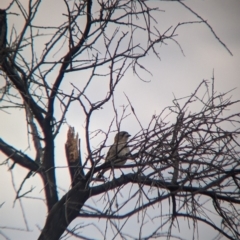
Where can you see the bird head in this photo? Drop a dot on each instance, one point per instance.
(122, 136)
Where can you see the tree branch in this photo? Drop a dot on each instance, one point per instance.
(18, 157)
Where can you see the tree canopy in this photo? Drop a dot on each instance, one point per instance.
(183, 168)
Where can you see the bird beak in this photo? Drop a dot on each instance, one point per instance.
(129, 135)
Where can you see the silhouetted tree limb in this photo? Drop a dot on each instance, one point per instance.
(184, 155)
(18, 157)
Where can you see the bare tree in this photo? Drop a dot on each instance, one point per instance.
(191, 163)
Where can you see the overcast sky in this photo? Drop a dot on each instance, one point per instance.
(176, 74)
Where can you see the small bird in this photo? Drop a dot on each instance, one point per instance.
(118, 149)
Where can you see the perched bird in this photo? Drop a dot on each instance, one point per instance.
(118, 149)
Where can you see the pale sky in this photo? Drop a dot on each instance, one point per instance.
(176, 74)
